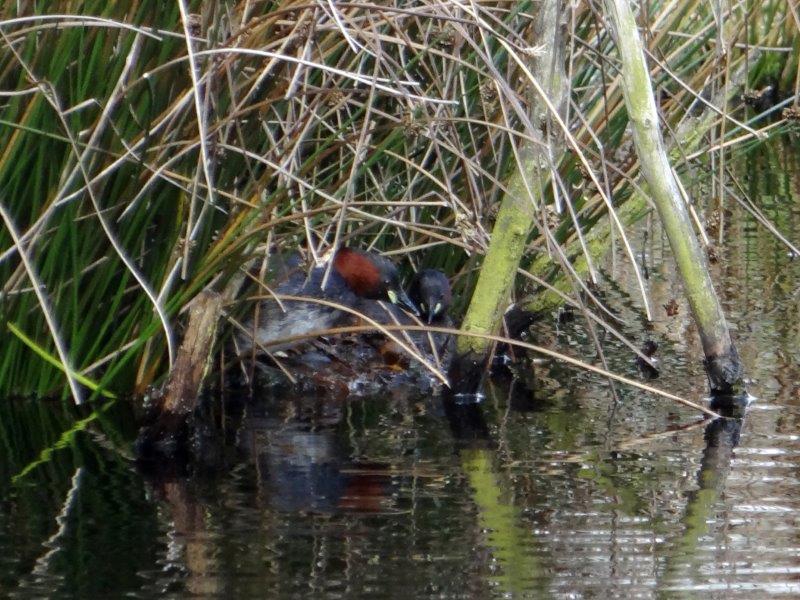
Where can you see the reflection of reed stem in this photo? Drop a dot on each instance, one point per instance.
(42, 566)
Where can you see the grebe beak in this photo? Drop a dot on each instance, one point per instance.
(434, 313)
(400, 298)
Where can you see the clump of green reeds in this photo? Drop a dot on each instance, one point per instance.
(149, 150)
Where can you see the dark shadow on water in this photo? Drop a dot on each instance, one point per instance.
(467, 376)
(467, 423)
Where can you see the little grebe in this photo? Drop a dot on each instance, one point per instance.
(355, 277)
(430, 290)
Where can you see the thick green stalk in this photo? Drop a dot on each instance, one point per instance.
(498, 273)
(722, 362)
(516, 216)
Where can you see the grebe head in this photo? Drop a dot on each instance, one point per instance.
(430, 289)
(372, 276)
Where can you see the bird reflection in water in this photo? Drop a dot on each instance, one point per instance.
(301, 466)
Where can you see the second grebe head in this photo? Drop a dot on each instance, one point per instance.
(430, 289)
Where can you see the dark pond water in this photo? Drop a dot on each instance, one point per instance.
(555, 486)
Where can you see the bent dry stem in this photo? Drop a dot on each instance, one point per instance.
(387, 329)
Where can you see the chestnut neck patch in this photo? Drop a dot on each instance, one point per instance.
(359, 272)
